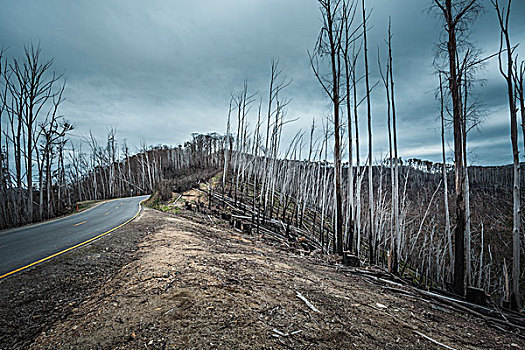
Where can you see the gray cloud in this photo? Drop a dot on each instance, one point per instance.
(159, 70)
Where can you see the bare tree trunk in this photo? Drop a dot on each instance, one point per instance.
(459, 234)
(480, 273)
(454, 16)
(397, 236)
(448, 232)
(358, 157)
(519, 75)
(332, 46)
(386, 82)
(38, 92)
(507, 73)
(371, 234)
(226, 153)
(348, 16)
(468, 237)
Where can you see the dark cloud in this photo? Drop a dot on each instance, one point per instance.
(159, 70)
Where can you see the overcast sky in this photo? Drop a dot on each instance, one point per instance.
(159, 70)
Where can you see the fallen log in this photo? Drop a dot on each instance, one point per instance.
(493, 316)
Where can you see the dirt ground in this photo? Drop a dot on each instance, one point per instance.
(34, 300)
(196, 284)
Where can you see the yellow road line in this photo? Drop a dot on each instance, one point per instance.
(80, 223)
(73, 247)
(106, 213)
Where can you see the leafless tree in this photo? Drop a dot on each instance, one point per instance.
(388, 81)
(53, 130)
(350, 35)
(34, 77)
(448, 232)
(457, 17)
(397, 226)
(519, 74)
(506, 65)
(330, 43)
(371, 234)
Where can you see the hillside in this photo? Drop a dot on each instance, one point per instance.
(194, 283)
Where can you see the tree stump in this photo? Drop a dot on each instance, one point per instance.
(247, 228)
(350, 260)
(476, 296)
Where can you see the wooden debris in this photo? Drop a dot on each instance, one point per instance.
(497, 318)
(309, 304)
(381, 306)
(279, 230)
(433, 340)
(278, 333)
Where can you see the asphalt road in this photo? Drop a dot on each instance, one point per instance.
(25, 245)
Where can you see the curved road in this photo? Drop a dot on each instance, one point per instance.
(22, 246)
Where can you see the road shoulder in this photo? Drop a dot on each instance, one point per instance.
(33, 300)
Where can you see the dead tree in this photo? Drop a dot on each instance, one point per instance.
(330, 43)
(350, 36)
(397, 225)
(386, 83)
(359, 175)
(33, 76)
(519, 74)
(227, 149)
(457, 16)
(4, 165)
(448, 233)
(14, 102)
(371, 233)
(506, 70)
(53, 131)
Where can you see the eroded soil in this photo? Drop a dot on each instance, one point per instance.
(196, 284)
